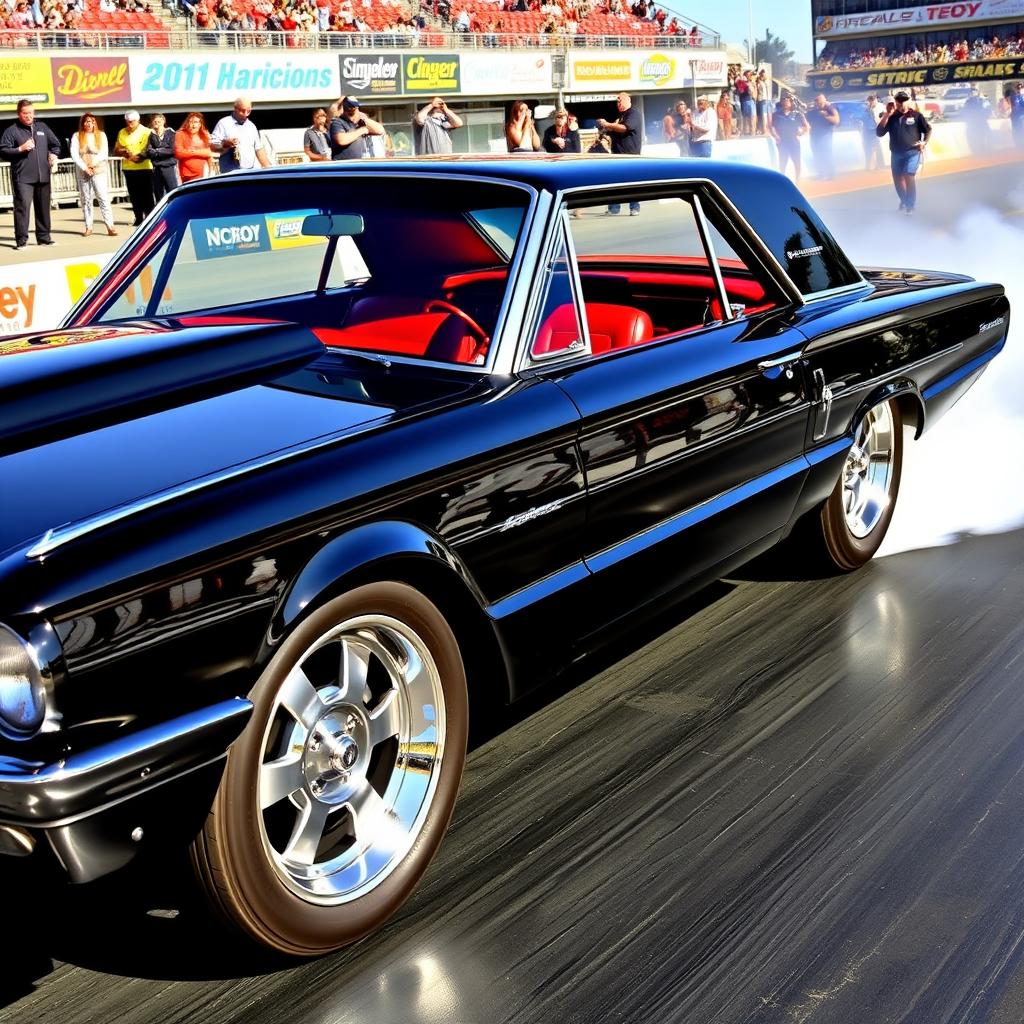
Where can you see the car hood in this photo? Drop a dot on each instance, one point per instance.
(87, 463)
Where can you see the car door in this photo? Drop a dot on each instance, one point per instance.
(691, 434)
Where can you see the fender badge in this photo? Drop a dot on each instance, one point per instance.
(520, 518)
(992, 323)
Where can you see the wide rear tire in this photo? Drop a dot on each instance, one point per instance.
(337, 796)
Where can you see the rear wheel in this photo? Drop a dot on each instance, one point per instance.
(853, 521)
(337, 796)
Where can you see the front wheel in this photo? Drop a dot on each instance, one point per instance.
(855, 517)
(338, 794)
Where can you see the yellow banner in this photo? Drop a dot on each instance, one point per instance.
(26, 78)
(602, 71)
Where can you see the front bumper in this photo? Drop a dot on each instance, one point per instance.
(37, 795)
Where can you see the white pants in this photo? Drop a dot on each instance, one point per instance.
(95, 188)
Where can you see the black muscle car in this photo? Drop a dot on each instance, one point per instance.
(329, 457)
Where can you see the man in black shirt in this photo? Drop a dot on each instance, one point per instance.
(626, 133)
(908, 133)
(32, 150)
(350, 129)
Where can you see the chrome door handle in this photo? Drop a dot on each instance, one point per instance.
(772, 364)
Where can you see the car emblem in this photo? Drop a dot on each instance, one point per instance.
(534, 513)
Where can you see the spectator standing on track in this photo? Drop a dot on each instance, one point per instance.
(32, 150)
(161, 154)
(760, 90)
(132, 143)
(723, 111)
(908, 133)
(89, 151)
(868, 123)
(316, 143)
(682, 122)
(626, 133)
(432, 128)
(746, 98)
(823, 118)
(703, 129)
(669, 130)
(350, 130)
(237, 140)
(1014, 96)
(976, 112)
(192, 149)
(788, 125)
(563, 136)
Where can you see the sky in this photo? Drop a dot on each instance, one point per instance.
(790, 19)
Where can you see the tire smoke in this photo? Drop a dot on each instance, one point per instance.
(964, 476)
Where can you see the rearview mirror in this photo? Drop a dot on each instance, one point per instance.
(332, 225)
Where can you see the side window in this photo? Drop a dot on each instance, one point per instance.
(559, 330)
(646, 272)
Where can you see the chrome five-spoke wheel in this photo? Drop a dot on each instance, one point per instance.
(338, 794)
(868, 472)
(854, 519)
(351, 758)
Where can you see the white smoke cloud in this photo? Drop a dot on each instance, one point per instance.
(966, 474)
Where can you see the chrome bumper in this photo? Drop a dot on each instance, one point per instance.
(87, 782)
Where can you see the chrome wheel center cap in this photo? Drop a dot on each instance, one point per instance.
(856, 461)
(334, 750)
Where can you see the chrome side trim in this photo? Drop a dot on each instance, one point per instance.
(90, 781)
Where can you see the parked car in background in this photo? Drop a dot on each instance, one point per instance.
(329, 458)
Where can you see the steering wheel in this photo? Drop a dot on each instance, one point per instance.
(483, 339)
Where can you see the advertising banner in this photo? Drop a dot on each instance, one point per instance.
(168, 79)
(933, 17)
(91, 81)
(645, 70)
(34, 296)
(372, 74)
(873, 79)
(438, 73)
(25, 78)
(498, 74)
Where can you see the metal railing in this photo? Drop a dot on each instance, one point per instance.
(192, 38)
(64, 183)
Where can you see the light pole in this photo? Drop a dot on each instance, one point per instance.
(751, 48)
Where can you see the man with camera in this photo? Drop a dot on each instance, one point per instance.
(908, 133)
(238, 140)
(432, 127)
(350, 129)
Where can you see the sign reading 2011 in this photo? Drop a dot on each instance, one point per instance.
(224, 78)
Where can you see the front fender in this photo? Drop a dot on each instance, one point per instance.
(360, 550)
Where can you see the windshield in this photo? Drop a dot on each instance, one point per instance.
(402, 266)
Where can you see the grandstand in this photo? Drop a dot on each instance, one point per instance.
(869, 43)
(340, 24)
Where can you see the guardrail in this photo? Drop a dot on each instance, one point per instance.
(192, 38)
(64, 183)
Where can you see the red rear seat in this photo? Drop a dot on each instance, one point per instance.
(610, 327)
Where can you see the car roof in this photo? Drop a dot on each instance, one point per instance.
(545, 172)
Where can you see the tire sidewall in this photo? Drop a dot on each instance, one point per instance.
(258, 899)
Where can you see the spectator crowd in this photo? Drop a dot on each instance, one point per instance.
(851, 56)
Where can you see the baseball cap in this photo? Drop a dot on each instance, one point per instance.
(350, 102)
(902, 96)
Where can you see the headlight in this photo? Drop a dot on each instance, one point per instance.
(22, 686)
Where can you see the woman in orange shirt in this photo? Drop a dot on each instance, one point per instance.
(192, 149)
(724, 112)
